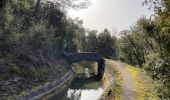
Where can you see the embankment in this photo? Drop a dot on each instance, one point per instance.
(51, 89)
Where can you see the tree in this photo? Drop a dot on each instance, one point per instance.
(92, 41)
(106, 44)
(2, 3)
(147, 44)
(62, 5)
(75, 4)
(36, 10)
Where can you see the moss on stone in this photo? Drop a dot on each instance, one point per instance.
(117, 82)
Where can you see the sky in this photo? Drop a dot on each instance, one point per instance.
(115, 15)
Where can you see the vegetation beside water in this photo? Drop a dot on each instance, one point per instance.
(36, 34)
(34, 37)
(20, 85)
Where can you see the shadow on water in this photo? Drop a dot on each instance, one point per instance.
(86, 86)
(86, 83)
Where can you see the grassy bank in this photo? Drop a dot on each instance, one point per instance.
(144, 86)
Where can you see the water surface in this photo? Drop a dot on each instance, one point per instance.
(82, 88)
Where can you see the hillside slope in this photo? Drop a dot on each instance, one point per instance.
(17, 77)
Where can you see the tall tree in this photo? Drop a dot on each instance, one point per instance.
(63, 5)
(92, 41)
(2, 3)
(36, 10)
(75, 4)
(106, 44)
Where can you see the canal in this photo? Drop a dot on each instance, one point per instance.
(84, 87)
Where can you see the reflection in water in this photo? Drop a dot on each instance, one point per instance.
(93, 94)
(87, 74)
(74, 94)
(87, 88)
(83, 89)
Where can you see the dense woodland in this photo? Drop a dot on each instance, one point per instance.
(36, 33)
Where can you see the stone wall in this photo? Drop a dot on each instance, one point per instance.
(107, 81)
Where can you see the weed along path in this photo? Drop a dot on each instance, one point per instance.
(128, 83)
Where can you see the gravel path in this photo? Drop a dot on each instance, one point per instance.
(128, 91)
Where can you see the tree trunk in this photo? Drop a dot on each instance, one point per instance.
(36, 10)
(2, 2)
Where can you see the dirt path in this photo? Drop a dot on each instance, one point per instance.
(128, 89)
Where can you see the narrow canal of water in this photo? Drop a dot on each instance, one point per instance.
(84, 87)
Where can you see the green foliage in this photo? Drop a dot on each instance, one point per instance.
(104, 43)
(132, 48)
(28, 45)
(51, 34)
(23, 93)
(39, 73)
(144, 86)
(14, 69)
(148, 44)
(92, 41)
(25, 39)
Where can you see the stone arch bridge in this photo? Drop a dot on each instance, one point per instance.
(88, 56)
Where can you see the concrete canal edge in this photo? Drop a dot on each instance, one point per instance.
(59, 85)
(51, 89)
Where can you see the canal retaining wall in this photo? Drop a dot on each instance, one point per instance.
(51, 89)
(107, 81)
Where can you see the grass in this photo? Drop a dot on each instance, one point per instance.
(144, 86)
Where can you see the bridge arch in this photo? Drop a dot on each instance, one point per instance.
(88, 56)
